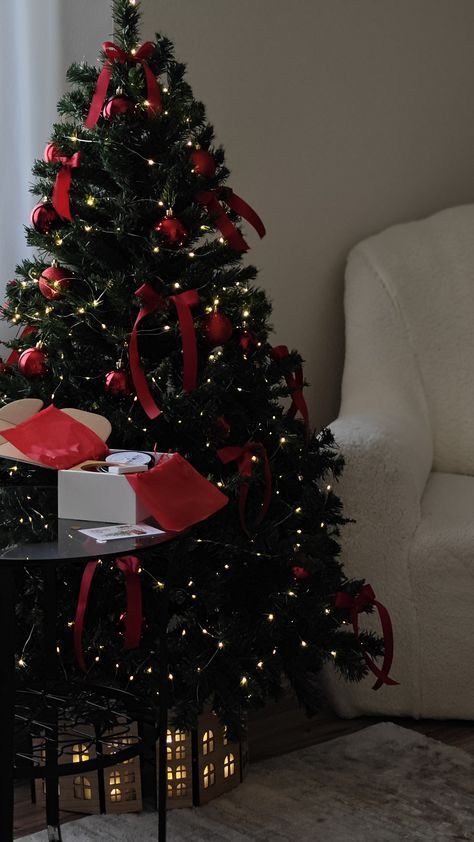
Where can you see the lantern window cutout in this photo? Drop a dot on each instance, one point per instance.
(116, 794)
(209, 776)
(208, 742)
(80, 753)
(229, 765)
(225, 738)
(115, 778)
(82, 788)
(181, 773)
(181, 790)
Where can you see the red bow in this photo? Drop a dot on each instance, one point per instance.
(62, 185)
(244, 458)
(153, 301)
(115, 53)
(295, 385)
(356, 604)
(211, 199)
(129, 566)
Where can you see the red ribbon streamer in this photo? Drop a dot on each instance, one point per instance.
(129, 566)
(211, 199)
(15, 355)
(295, 384)
(152, 301)
(243, 457)
(366, 596)
(62, 185)
(183, 303)
(115, 53)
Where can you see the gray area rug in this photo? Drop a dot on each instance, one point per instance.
(382, 784)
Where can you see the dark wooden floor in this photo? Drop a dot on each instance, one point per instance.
(276, 730)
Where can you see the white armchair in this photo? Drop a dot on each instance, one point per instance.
(406, 429)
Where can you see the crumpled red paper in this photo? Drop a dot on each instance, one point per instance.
(56, 440)
(176, 494)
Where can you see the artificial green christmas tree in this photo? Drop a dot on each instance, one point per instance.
(137, 305)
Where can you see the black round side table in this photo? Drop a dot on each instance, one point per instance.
(74, 547)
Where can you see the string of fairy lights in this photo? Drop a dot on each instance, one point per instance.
(88, 310)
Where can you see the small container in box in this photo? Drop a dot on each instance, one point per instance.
(105, 497)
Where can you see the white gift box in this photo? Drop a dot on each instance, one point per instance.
(104, 497)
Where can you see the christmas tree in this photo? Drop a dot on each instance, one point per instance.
(137, 305)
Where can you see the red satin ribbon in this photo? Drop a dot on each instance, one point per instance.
(243, 457)
(211, 199)
(15, 355)
(183, 303)
(366, 596)
(129, 566)
(62, 185)
(151, 301)
(295, 385)
(115, 53)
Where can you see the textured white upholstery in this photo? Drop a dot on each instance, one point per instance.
(406, 429)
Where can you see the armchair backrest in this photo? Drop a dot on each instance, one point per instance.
(409, 305)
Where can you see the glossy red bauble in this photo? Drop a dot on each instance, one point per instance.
(217, 328)
(300, 572)
(33, 362)
(173, 230)
(51, 153)
(204, 163)
(117, 105)
(44, 218)
(118, 383)
(53, 282)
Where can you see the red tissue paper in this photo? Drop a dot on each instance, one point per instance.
(56, 440)
(176, 494)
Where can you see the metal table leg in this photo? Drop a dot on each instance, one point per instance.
(50, 640)
(163, 718)
(7, 701)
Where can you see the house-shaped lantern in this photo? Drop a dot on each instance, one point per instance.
(201, 765)
(204, 763)
(116, 789)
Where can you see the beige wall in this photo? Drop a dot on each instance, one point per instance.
(339, 117)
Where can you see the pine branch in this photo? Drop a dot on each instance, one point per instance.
(126, 17)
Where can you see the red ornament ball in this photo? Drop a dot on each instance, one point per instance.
(173, 230)
(217, 328)
(51, 153)
(248, 342)
(53, 282)
(300, 572)
(33, 362)
(117, 105)
(204, 163)
(118, 383)
(44, 218)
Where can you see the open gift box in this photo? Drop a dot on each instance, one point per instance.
(69, 440)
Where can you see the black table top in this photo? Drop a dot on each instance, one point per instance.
(72, 545)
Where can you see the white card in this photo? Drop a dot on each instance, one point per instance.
(120, 531)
